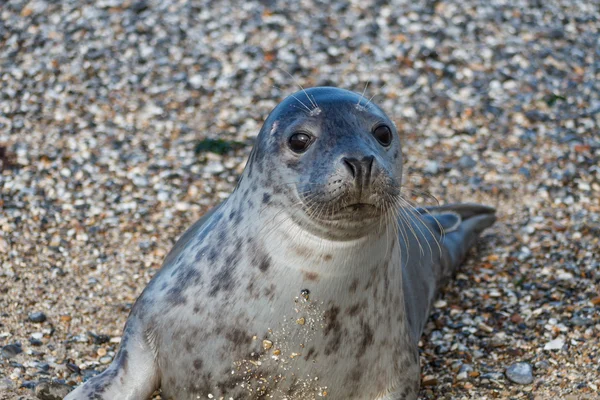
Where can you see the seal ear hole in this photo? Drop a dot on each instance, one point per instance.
(299, 142)
(383, 134)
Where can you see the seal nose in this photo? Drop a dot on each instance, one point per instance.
(359, 169)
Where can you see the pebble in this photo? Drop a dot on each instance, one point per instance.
(6, 384)
(37, 316)
(431, 167)
(105, 360)
(466, 162)
(429, 380)
(556, 344)
(495, 376)
(73, 368)
(52, 390)
(521, 373)
(11, 350)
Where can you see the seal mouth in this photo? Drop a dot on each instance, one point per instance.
(356, 211)
(359, 207)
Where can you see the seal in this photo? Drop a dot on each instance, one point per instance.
(313, 279)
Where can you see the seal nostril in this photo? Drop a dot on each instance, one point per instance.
(368, 165)
(352, 165)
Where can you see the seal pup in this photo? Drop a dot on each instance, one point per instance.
(313, 279)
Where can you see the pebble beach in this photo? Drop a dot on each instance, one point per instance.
(122, 122)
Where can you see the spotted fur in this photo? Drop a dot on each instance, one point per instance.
(294, 286)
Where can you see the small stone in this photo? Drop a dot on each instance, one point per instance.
(305, 293)
(440, 303)
(267, 344)
(432, 167)
(466, 162)
(139, 6)
(6, 384)
(196, 81)
(65, 318)
(555, 344)
(494, 376)
(429, 380)
(461, 376)
(29, 384)
(465, 368)
(542, 365)
(3, 245)
(521, 373)
(579, 321)
(105, 360)
(52, 390)
(37, 316)
(101, 352)
(99, 339)
(301, 321)
(596, 301)
(11, 350)
(43, 367)
(73, 368)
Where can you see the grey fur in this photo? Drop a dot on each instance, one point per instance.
(309, 278)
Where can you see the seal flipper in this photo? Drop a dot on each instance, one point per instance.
(456, 244)
(451, 229)
(443, 223)
(131, 376)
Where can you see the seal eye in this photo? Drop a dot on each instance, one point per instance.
(383, 134)
(299, 142)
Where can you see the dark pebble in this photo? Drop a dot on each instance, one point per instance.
(525, 172)
(43, 367)
(35, 342)
(11, 350)
(29, 384)
(99, 339)
(73, 368)
(37, 316)
(139, 6)
(94, 54)
(536, 116)
(15, 364)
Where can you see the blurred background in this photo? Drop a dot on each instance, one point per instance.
(122, 122)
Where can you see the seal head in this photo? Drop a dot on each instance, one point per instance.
(334, 153)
